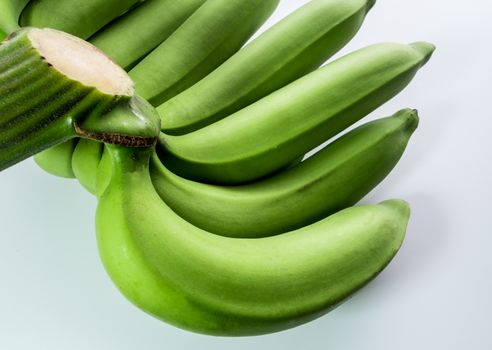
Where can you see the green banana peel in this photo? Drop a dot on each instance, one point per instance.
(335, 178)
(10, 12)
(270, 133)
(217, 285)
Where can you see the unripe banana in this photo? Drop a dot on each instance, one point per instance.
(201, 44)
(10, 11)
(130, 37)
(204, 41)
(286, 124)
(287, 51)
(228, 286)
(85, 161)
(333, 179)
(57, 160)
(79, 18)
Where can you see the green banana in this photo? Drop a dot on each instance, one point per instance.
(205, 40)
(57, 160)
(228, 286)
(287, 51)
(85, 161)
(333, 179)
(10, 11)
(195, 49)
(132, 36)
(79, 18)
(286, 124)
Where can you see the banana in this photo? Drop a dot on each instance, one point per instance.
(10, 11)
(57, 160)
(333, 179)
(85, 161)
(287, 51)
(286, 124)
(205, 40)
(202, 43)
(227, 286)
(79, 18)
(132, 36)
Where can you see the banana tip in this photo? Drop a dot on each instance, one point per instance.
(370, 4)
(412, 120)
(425, 48)
(399, 205)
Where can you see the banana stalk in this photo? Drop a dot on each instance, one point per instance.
(49, 95)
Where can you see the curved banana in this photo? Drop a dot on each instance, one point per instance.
(202, 43)
(333, 179)
(295, 46)
(286, 124)
(57, 160)
(85, 161)
(205, 40)
(10, 11)
(228, 286)
(130, 37)
(79, 18)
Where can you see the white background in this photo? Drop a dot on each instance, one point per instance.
(54, 293)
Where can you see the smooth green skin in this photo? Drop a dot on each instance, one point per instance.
(269, 134)
(292, 48)
(57, 160)
(85, 161)
(79, 18)
(335, 178)
(10, 11)
(104, 173)
(217, 285)
(132, 36)
(206, 39)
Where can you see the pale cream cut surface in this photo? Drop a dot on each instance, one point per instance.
(81, 61)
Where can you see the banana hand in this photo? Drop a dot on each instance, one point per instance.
(333, 179)
(269, 134)
(227, 286)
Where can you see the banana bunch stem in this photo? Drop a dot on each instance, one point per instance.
(54, 87)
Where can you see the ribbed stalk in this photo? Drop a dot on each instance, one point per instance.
(41, 106)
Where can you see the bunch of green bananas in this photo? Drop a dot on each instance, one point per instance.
(221, 228)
